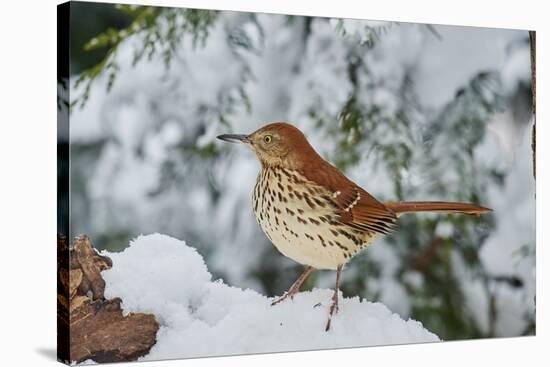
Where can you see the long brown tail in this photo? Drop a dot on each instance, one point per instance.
(436, 206)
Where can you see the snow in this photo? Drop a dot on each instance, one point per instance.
(202, 316)
(468, 52)
(502, 251)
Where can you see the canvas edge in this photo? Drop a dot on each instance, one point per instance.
(63, 144)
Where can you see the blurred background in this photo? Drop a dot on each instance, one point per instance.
(407, 111)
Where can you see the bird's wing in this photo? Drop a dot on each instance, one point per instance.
(356, 207)
(361, 210)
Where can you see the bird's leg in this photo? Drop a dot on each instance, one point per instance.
(334, 304)
(295, 288)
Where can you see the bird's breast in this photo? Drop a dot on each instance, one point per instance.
(301, 220)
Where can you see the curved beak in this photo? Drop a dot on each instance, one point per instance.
(234, 138)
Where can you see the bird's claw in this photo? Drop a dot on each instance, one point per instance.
(282, 298)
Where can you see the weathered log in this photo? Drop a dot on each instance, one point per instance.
(90, 326)
(100, 332)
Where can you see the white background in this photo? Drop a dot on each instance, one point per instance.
(28, 182)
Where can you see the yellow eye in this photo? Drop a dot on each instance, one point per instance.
(267, 139)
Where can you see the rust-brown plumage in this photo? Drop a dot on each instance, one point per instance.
(314, 214)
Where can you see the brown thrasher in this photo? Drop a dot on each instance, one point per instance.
(314, 214)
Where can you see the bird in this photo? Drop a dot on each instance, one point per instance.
(312, 213)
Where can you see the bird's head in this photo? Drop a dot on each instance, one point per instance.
(276, 144)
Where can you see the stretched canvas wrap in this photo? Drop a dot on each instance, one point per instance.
(234, 183)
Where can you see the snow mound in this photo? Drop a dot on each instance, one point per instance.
(200, 316)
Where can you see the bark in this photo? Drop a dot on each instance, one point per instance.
(90, 326)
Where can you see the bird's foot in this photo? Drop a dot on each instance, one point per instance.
(290, 293)
(295, 288)
(280, 299)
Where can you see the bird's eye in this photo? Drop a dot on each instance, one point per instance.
(267, 139)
